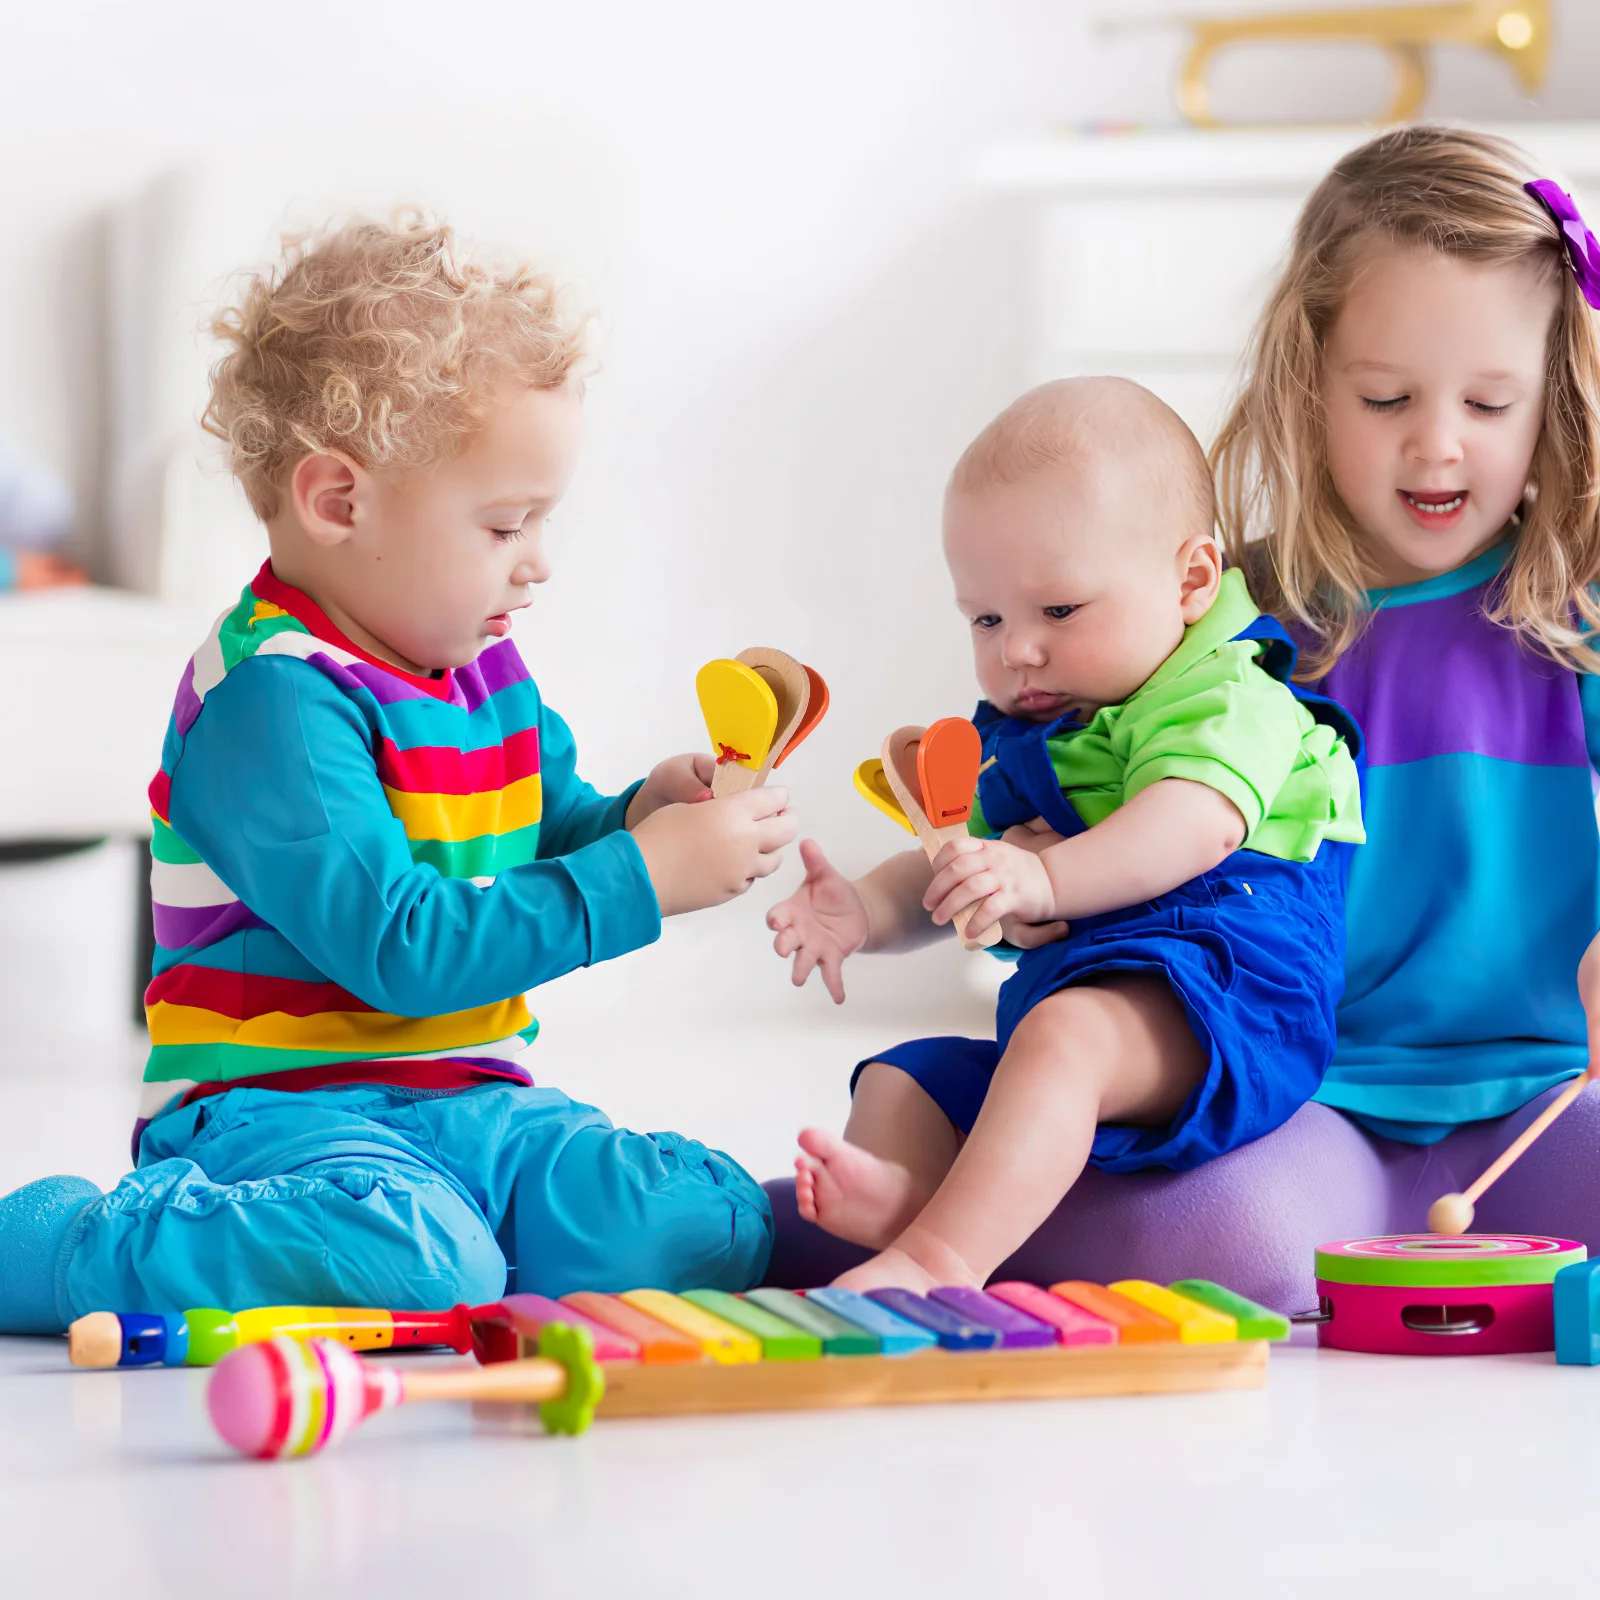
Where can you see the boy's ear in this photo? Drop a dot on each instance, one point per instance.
(1199, 576)
(323, 490)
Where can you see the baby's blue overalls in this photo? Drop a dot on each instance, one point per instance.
(1253, 949)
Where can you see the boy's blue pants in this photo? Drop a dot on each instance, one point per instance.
(385, 1197)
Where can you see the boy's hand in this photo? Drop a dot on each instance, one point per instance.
(821, 923)
(702, 855)
(679, 780)
(1009, 880)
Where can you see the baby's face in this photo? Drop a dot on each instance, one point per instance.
(450, 550)
(1073, 598)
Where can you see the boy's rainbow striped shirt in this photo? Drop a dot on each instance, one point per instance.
(458, 757)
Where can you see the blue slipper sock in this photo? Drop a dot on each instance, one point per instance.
(34, 1223)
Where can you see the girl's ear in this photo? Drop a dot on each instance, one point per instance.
(1199, 576)
(323, 490)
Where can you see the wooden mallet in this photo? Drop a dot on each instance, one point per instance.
(1452, 1213)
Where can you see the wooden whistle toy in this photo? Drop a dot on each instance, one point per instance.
(202, 1337)
(926, 781)
(758, 708)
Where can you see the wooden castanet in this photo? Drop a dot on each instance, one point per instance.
(758, 708)
(937, 768)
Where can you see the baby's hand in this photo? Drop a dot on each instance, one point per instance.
(1008, 880)
(1036, 836)
(821, 923)
(679, 780)
(702, 855)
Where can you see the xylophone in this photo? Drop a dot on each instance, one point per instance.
(650, 1353)
(1426, 1294)
(202, 1337)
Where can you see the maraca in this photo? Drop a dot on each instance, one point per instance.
(758, 708)
(287, 1398)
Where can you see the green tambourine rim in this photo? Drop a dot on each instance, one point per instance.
(1444, 1272)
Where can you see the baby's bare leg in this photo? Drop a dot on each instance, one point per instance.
(1116, 1051)
(897, 1147)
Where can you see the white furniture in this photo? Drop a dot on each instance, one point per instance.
(1150, 254)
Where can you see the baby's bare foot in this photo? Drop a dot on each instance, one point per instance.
(889, 1269)
(851, 1192)
(917, 1260)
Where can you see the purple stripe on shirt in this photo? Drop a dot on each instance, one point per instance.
(497, 668)
(1437, 678)
(177, 927)
(186, 706)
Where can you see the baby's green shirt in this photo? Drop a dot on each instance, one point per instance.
(1210, 714)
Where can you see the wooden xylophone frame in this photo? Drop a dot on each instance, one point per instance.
(929, 1377)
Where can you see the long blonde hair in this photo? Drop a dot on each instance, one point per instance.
(1458, 194)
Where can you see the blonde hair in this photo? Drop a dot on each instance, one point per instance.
(1460, 195)
(1071, 417)
(383, 341)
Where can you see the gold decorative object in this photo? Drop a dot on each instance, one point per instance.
(1517, 30)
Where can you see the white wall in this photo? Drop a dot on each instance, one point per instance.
(808, 308)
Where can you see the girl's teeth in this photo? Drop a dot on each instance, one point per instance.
(1438, 508)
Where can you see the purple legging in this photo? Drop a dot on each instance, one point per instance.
(1252, 1218)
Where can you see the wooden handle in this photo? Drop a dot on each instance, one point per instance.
(510, 1382)
(1528, 1135)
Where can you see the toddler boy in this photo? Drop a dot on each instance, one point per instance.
(371, 839)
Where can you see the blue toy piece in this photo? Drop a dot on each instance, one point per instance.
(152, 1339)
(949, 1327)
(896, 1336)
(1577, 1312)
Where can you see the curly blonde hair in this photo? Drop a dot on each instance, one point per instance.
(383, 341)
(1460, 195)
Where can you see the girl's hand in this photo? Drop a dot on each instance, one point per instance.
(679, 780)
(821, 924)
(1008, 880)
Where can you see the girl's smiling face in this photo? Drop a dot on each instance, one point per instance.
(1433, 395)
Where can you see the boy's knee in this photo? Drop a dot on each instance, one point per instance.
(410, 1240)
(621, 1210)
(342, 1234)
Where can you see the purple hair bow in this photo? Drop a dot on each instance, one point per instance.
(1582, 247)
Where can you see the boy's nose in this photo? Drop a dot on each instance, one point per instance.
(534, 567)
(1022, 648)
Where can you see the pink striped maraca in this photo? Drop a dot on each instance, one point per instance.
(288, 1398)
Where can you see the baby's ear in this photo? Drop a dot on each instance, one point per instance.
(1199, 575)
(322, 490)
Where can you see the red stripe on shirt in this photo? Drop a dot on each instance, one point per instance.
(245, 995)
(442, 769)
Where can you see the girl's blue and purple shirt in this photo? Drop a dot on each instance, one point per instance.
(1478, 889)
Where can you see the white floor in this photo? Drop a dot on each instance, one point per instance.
(1346, 1474)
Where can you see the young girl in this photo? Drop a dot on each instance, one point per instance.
(1418, 445)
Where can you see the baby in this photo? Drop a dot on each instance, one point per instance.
(371, 838)
(1162, 829)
